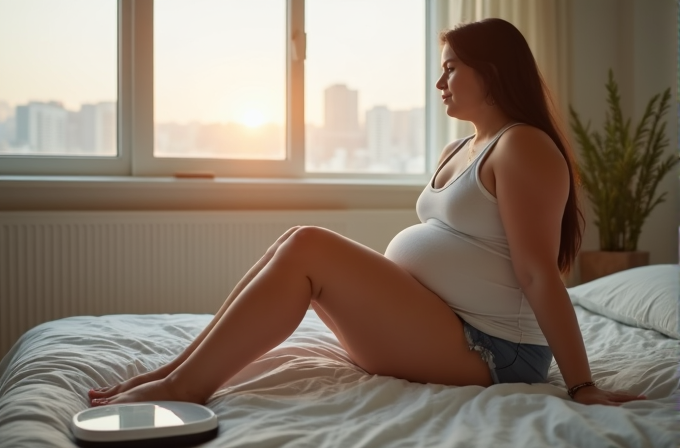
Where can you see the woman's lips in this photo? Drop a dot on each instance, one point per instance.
(445, 97)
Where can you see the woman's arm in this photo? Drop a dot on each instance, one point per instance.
(556, 317)
(532, 186)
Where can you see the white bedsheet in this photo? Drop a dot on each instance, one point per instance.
(306, 392)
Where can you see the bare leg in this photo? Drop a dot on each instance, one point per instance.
(388, 322)
(164, 371)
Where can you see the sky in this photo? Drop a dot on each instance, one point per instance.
(216, 60)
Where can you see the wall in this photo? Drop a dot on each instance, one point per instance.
(638, 40)
(59, 264)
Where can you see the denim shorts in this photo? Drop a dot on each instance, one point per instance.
(510, 362)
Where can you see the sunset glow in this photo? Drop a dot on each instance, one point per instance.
(253, 118)
(220, 87)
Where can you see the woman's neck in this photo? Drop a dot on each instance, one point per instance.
(489, 126)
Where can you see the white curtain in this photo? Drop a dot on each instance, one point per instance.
(545, 26)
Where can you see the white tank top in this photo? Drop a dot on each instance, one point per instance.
(461, 253)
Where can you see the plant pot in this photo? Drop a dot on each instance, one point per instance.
(596, 264)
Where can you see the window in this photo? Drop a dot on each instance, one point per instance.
(220, 79)
(264, 88)
(365, 86)
(58, 90)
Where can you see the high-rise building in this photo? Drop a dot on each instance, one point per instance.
(415, 162)
(5, 111)
(106, 128)
(341, 109)
(97, 123)
(73, 131)
(396, 139)
(87, 124)
(41, 127)
(379, 132)
(341, 135)
(401, 133)
(417, 134)
(48, 128)
(389, 142)
(6, 126)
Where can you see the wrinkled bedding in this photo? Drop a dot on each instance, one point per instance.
(306, 392)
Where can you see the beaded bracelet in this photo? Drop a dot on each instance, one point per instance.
(574, 389)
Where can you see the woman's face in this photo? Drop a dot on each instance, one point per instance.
(463, 90)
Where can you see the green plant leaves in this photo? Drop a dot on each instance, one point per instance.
(620, 172)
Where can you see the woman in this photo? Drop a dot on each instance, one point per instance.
(471, 296)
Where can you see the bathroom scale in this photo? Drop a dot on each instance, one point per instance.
(149, 424)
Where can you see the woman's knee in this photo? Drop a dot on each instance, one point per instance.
(280, 240)
(287, 234)
(306, 240)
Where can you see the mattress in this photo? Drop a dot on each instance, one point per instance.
(307, 392)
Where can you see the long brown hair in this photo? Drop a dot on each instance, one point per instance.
(498, 51)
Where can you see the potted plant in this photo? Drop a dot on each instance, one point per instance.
(620, 171)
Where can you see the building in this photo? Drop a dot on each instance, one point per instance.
(41, 127)
(379, 136)
(341, 131)
(97, 125)
(6, 126)
(341, 109)
(48, 128)
(395, 139)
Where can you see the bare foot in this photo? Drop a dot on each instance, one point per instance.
(110, 391)
(158, 390)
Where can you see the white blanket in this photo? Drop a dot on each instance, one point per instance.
(306, 392)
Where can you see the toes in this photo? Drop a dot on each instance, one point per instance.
(99, 402)
(97, 392)
(101, 392)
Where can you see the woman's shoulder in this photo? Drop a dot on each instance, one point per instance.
(526, 141)
(526, 133)
(530, 147)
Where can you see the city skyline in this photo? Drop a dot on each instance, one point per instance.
(386, 140)
(6, 109)
(49, 128)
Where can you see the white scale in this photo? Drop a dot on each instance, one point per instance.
(148, 424)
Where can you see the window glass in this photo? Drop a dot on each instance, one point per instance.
(219, 79)
(58, 83)
(365, 86)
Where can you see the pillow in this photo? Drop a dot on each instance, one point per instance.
(645, 297)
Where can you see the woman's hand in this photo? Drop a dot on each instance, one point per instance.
(593, 395)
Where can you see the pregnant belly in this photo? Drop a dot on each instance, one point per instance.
(468, 277)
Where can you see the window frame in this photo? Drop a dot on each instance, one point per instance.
(135, 126)
(144, 162)
(119, 165)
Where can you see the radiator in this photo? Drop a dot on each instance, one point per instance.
(59, 264)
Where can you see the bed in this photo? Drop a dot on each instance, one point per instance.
(306, 392)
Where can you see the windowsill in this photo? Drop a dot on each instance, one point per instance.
(23, 193)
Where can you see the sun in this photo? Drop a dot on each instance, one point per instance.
(253, 118)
